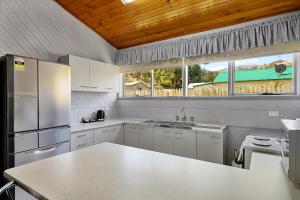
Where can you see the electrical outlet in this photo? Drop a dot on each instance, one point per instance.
(273, 113)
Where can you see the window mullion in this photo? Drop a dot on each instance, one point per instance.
(152, 82)
(231, 77)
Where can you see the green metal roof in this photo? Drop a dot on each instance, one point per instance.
(256, 75)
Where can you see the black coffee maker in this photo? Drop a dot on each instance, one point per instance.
(100, 115)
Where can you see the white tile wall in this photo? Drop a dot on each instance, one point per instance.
(243, 116)
(86, 104)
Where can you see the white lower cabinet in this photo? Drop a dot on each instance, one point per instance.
(210, 147)
(131, 137)
(163, 140)
(179, 142)
(184, 143)
(138, 136)
(146, 137)
(116, 134)
(101, 135)
(82, 139)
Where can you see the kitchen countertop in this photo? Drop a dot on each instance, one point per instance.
(270, 167)
(110, 122)
(291, 125)
(116, 172)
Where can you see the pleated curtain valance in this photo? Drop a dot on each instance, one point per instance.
(259, 33)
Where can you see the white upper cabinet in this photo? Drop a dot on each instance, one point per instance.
(93, 76)
(97, 76)
(80, 73)
(112, 74)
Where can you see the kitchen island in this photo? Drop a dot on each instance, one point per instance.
(115, 172)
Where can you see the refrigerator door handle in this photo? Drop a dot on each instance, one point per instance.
(43, 151)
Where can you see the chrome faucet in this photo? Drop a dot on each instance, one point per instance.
(183, 117)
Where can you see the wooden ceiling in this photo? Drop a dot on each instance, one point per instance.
(145, 21)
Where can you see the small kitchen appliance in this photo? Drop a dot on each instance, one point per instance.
(100, 115)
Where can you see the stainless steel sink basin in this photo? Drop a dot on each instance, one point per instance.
(181, 125)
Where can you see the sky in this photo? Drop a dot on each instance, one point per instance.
(252, 61)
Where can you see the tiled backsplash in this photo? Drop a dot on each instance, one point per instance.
(86, 104)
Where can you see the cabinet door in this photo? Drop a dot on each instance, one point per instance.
(210, 147)
(184, 143)
(80, 73)
(112, 78)
(146, 137)
(101, 135)
(82, 139)
(131, 136)
(116, 134)
(97, 76)
(163, 141)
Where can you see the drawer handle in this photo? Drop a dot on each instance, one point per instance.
(94, 87)
(80, 136)
(178, 133)
(46, 131)
(215, 137)
(39, 152)
(81, 145)
(84, 86)
(109, 88)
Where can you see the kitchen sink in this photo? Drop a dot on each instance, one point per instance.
(181, 125)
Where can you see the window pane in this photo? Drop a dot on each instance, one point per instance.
(209, 79)
(137, 83)
(264, 75)
(168, 82)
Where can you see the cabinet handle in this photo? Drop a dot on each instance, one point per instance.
(109, 88)
(215, 137)
(84, 86)
(94, 87)
(178, 133)
(81, 145)
(80, 136)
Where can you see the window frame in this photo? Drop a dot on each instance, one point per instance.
(231, 83)
(295, 73)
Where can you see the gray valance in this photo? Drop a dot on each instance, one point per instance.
(259, 33)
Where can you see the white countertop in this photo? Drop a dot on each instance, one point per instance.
(108, 122)
(116, 172)
(291, 125)
(269, 166)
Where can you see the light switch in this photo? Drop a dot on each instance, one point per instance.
(273, 113)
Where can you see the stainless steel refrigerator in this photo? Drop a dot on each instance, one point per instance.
(35, 111)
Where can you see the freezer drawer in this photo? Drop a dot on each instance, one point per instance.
(54, 136)
(54, 94)
(23, 141)
(38, 154)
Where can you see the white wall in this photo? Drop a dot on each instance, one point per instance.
(43, 29)
(85, 104)
(243, 115)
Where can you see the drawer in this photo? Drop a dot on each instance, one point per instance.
(81, 143)
(82, 135)
(54, 136)
(38, 154)
(23, 142)
(116, 129)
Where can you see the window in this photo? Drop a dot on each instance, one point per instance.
(209, 79)
(168, 82)
(137, 83)
(264, 75)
